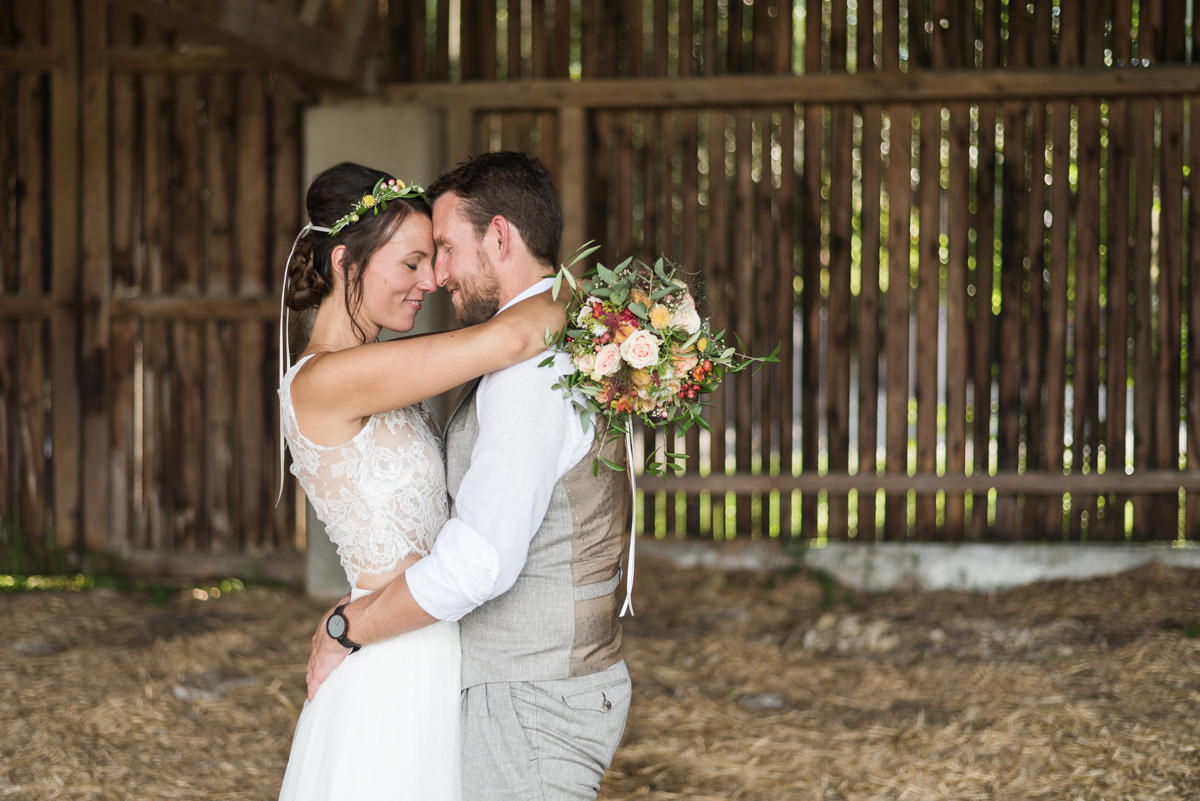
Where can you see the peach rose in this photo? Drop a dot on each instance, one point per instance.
(640, 349)
(608, 359)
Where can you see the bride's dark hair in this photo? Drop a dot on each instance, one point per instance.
(332, 195)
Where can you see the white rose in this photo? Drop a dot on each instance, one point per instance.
(608, 359)
(687, 318)
(640, 349)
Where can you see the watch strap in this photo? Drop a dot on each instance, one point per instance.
(344, 640)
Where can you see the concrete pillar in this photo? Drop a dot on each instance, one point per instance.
(408, 142)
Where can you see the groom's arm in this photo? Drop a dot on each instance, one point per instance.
(529, 436)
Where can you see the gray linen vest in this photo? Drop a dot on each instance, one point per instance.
(559, 619)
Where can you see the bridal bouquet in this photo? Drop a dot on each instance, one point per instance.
(641, 349)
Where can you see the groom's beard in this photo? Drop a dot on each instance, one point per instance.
(479, 300)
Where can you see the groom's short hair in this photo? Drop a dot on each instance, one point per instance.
(514, 186)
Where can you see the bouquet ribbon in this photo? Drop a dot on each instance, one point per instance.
(628, 605)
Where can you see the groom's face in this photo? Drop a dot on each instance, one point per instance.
(461, 264)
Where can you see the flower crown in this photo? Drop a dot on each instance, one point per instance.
(385, 189)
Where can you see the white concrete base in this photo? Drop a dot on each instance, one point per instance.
(929, 566)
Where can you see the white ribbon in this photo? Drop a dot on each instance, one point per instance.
(628, 605)
(285, 341)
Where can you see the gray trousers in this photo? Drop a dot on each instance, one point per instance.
(542, 740)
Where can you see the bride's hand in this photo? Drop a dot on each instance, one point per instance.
(534, 316)
(326, 654)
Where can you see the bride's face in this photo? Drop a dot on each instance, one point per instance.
(398, 277)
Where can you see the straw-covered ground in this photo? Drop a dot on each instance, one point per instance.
(747, 686)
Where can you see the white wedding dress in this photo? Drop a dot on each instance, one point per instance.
(385, 724)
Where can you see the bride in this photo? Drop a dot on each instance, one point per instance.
(367, 454)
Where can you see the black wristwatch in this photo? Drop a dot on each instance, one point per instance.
(338, 628)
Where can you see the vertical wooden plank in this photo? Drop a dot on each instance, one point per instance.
(220, 146)
(561, 67)
(786, 311)
(897, 299)
(1170, 271)
(286, 194)
(514, 68)
(925, 370)
(645, 236)
(950, 50)
(635, 44)
(711, 49)
(984, 322)
(539, 45)
(742, 284)
(589, 46)
(785, 297)
(122, 460)
(687, 39)
(155, 376)
(868, 298)
(190, 530)
(689, 188)
(1192, 273)
(716, 255)
(252, 235)
(28, 160)
(810, 298)
(11, 116)
(573, 161)
(65, 164)
(897, 339)
(418, 27)
(1087, 283)
(927, 297)
(470, 48)
(441, 60)
(1056, 319)
(1145, 379)
(838, 345)
(1117, 317)
(1040, 34)
(734, 44)
(1014, 204)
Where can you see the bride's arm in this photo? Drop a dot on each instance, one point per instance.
(360, 381)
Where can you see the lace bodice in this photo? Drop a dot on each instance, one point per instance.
(382, 495)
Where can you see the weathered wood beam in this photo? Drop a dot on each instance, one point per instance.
(189, 59)
(12, 306)
(915, 86)
(1032, 483)
(41, 60)
(175, 307)
(262, 31)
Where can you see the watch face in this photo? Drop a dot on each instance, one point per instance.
(336, 626)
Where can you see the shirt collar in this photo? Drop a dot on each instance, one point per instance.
(540, 286)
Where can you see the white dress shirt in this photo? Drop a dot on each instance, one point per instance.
(530, 435)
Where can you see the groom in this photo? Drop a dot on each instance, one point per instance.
(530, 561)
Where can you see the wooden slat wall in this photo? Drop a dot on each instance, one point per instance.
(150, 433)
(955, 287)
(960, 275)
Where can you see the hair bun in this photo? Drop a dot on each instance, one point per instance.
(306, 286)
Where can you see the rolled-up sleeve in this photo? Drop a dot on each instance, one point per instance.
(529, 436)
